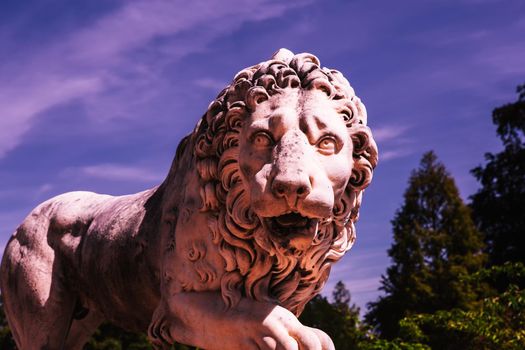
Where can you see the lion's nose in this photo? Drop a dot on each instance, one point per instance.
(290, 188)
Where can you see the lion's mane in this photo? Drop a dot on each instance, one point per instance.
(255, 266)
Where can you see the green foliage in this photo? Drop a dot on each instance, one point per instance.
(373, 343)
(109, 337)
(499, 204)
(497, 323)
(6, 339)
(491, 282)
(340, 320)
(435, 243)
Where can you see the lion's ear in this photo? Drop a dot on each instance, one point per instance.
(365, 156)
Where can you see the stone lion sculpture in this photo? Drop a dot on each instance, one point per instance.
(259, 202)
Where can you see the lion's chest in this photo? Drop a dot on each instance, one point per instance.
(194, 262)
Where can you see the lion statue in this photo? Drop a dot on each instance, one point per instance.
(260, 201)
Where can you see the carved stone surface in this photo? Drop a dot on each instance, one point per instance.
(260, 201)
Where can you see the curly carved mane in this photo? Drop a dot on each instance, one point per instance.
(255, 266)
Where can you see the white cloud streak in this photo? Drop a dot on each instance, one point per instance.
(116, 172)
(84, 64)
(210, 84)
(391, 139)
(20, 104)
(387, 133)
(394, 154)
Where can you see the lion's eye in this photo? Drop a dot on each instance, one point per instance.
(327, 145)
(262, 139)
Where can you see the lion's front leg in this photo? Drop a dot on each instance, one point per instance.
(202, 320)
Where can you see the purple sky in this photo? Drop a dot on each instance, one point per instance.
(96, 95)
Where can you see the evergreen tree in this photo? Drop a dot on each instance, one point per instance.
(342, 297)
(499, 206)
(435, 243)
(339, 319)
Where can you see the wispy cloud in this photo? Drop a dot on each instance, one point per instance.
(358, 264)
(210, 83)
(506, 59)
(21, 102)
(363, 289)
(364, 285)
(477, 2)
(116, 172)
(392, 140)
(361, 272)
(387, 133)
(26, 193)
(394, 153)
(90, 60)
(43, 190)
(494, 53)
(9, 221)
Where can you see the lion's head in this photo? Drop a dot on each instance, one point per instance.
(283, 155)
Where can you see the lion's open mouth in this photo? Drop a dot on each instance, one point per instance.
(292, 225)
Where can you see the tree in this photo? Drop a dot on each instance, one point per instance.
(499, 206)
(342, 298)
(6, 339)
(435, 243)
(339, 319)
(110, 337)
(498, 323)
